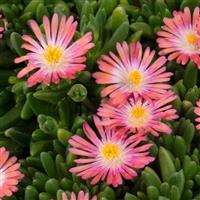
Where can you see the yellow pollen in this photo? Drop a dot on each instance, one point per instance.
(53, 54)
(138, 112)
(191, 38)
(139, 116)
(135, 77)
(110, 151)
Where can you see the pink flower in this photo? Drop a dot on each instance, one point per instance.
(110, 157)
(52, 55)
(140, 115)
(197, 112)
(10, 175)
(2, 29)
(81, 196)
(179, 37)
(1, 32)
(132, 73)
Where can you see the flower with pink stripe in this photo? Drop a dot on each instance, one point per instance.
(133, 72)
(53, 56)
(179, 37)
(139, 115)
(111, 156)
(10, 175)
(2, 27)
(81, 196)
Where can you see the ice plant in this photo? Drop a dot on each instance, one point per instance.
(10, 175)
(179, 37)
(132, 72)
(110, 157)
(2, 24)
(197, 112)
(52, 55)
(140, 115)
(81, 196)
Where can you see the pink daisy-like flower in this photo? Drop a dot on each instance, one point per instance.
(2, 29)
(111, 157)
(132, 73)
(197, 112)
(81, 196)
(140, 115)
(10, 175)
(179, 37)
(52, 55)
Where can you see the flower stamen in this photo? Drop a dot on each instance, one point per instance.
(139, 115)
(110, 151)
(135, 78)
(53, 54)
(191, 38)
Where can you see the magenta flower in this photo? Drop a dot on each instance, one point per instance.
(179, 37)
(2, 28)
(133, 72)
(10, 175)
(140, 115)
(52, 55)
(197, 112)
(111, 157)
(81, 196)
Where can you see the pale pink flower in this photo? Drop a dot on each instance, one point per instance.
(197, 112)
(179, 37)
(10, 175)
(81, 196)
(132, 72)
(53, 55)
(140, 115)
(111, 156)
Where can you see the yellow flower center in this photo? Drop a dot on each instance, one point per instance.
(110, 151)
(135, 77)
(139, 115)
(53, 54)
(191, 38)
(138, 112)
